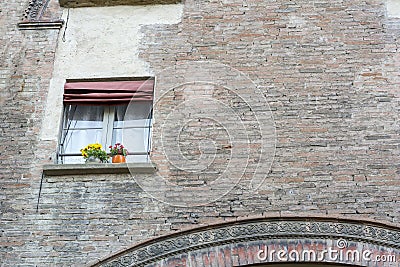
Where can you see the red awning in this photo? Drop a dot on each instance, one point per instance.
(108, 93)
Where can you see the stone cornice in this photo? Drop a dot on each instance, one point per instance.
(40, 25)
(32, 18)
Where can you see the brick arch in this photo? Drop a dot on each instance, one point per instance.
(259, 242)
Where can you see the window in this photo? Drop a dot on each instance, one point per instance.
(106, 113)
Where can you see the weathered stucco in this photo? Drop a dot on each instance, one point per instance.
(101, 42)
(393, 8)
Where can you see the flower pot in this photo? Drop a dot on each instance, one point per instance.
(118, 159)
(91, 160)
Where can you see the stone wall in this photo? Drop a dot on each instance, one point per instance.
(322, 74)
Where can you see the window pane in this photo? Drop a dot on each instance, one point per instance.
(138, 114)
(131, 128)
(78, 139)
(119, 115)
(137, 158)
(134, 139)
(84, 117)
(78, 131)
(83, 125)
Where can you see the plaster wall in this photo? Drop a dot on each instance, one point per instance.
(393, 8)
(101, 42)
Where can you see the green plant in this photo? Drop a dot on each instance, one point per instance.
(118, 149)
(95, 151)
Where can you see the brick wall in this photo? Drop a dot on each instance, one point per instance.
(328, 72)
(26, 62)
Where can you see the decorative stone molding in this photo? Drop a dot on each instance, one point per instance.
(151, 252)
(91, 3)
(35, 9)
(33, 17)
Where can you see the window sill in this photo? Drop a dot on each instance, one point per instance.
(98, 168)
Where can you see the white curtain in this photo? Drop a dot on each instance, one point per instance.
(82, 126)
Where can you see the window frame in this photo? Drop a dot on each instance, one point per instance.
(108, 127)
(107, 130)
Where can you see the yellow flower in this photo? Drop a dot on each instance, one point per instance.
(97, 146)
(95, 150)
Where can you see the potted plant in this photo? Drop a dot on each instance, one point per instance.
(94, 153)
(118, 153)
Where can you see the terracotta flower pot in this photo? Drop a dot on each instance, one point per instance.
(118, 159)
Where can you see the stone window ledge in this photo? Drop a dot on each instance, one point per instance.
(98, 168)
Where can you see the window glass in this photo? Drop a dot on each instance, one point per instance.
(136, 140)
(137, 115)
(78, 117)
(77, 139)
(84, 125)
(132, 127)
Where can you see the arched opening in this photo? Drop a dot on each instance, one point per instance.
(269, 242)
